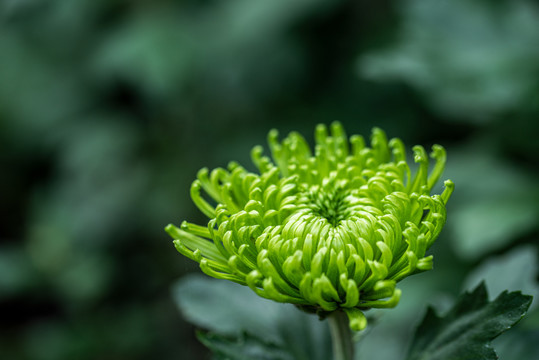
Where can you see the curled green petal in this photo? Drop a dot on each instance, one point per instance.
(357, 319)
(384, 304)
(328, 229)
(438, 153)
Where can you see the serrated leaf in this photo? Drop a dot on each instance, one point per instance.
(466, 331)
(245, 347)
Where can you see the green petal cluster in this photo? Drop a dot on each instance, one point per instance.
(329, 230)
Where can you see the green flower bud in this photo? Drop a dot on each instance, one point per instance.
(332, 230)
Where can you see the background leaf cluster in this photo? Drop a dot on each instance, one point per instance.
(109, 107)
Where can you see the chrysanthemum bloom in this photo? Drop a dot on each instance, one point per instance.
(333, 230)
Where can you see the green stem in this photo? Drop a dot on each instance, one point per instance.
(341, 336)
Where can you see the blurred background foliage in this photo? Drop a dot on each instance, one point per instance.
(109, 107)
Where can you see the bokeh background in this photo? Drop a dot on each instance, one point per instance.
(109, 107)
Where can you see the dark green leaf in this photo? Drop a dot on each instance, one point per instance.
(469, 327)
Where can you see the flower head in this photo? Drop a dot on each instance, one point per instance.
(332, 230)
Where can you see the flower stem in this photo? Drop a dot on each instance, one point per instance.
(341, 336)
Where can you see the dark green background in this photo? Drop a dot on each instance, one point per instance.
(109, 107)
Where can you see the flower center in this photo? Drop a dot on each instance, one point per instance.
(331, 206)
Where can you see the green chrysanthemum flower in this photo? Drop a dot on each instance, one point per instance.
(333, 230)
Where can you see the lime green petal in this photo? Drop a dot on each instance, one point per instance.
(357, 319)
